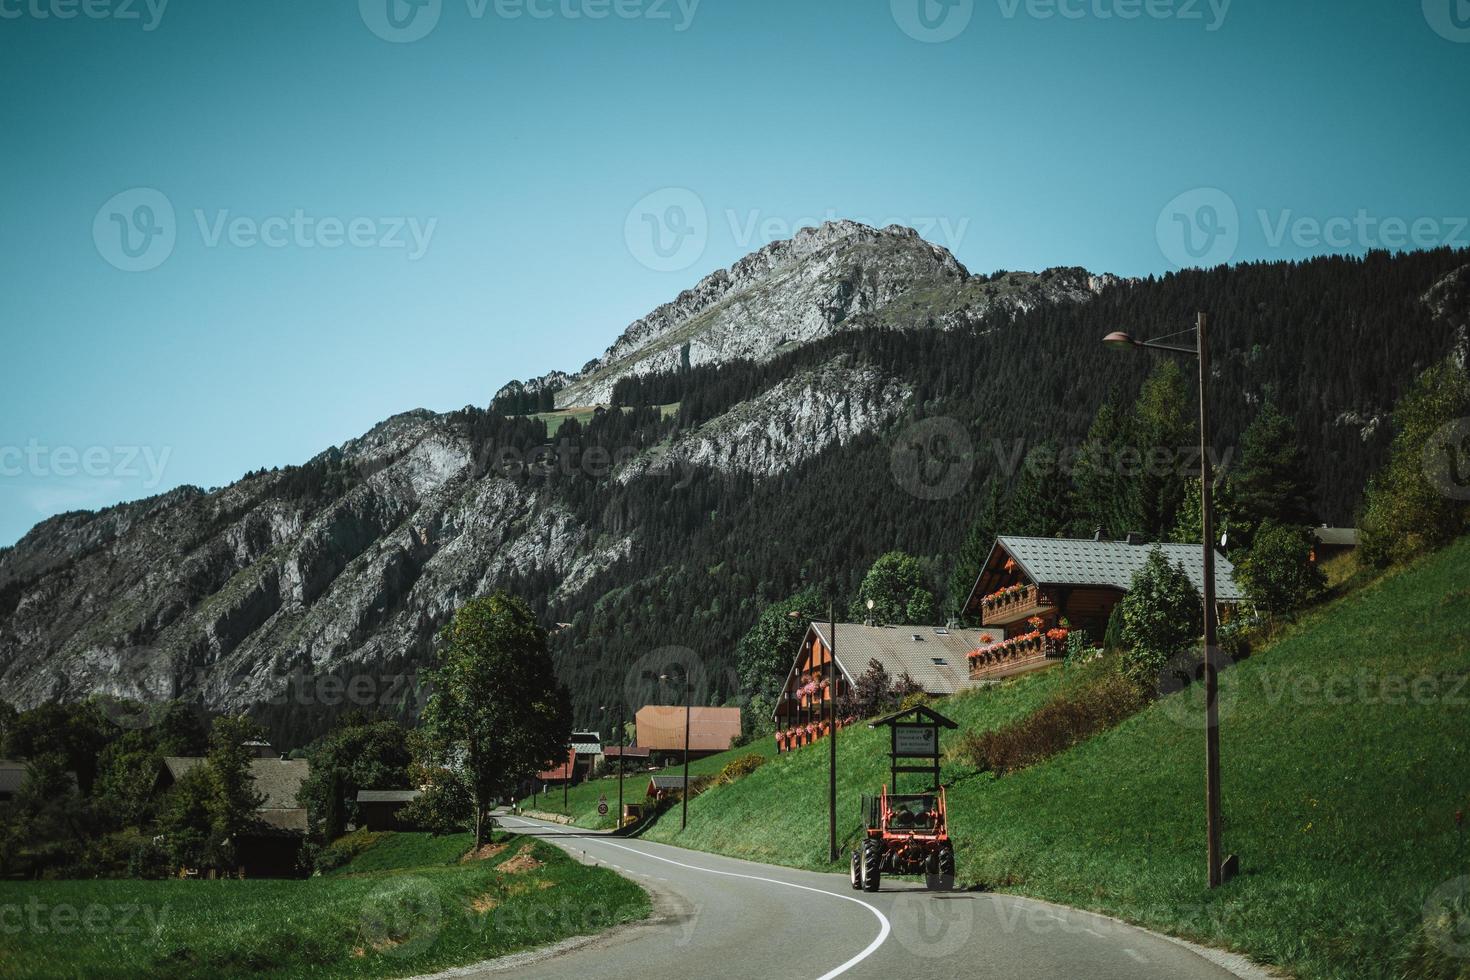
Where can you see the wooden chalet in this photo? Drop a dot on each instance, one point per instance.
(1035, 591)
(934, 656)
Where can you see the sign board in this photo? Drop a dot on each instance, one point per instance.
(916, 740)
(602, 808)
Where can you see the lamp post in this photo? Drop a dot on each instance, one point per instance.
(1119, 340)
(621, 735)
(688, 708)
(832, 727)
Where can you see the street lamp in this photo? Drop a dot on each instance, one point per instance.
(684, 811)
(1118, 340)
(832, 728)
(622, 733)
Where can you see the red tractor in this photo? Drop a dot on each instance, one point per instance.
(906, 835)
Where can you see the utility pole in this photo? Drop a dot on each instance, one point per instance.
(1212, 679)
(832, 735)
(688, 708)
(1122, 341)
(622, 735)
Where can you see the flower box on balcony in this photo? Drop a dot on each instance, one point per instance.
(1017, 652)
(1013, 604)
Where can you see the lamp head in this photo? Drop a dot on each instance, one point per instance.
(1118, 340)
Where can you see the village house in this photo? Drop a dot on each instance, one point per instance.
(583, 753)
(379, 809)
(934, 657)
(271, 849)
(1033, 593)
(661, 729)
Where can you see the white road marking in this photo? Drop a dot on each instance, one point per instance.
(884, 927)
(1136, 955)
(1092, 932)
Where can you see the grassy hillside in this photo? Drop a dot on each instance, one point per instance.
(404, 906)
(1344, 762)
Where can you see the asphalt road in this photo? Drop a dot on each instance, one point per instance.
(721, 917)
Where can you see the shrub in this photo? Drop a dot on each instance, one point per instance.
(743, 766)
(342, 850)
(1278, 573)
(1068, 718)
(1413, 504)
(1162, 617)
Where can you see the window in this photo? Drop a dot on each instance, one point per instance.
(940, 661)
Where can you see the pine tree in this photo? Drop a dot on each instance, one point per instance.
(979, 540)
(1041, 504)
(1102, 496)
(1163, 436)
(1270, 481)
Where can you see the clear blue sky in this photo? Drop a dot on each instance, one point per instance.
(521, 146)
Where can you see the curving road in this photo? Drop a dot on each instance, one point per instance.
(721, 917)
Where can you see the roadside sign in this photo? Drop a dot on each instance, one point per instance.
(602, 808)
(915, 740)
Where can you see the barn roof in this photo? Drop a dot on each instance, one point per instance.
(661, 727)
(666, 782)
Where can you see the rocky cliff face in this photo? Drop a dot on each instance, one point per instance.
(354, 561)
(839, 276)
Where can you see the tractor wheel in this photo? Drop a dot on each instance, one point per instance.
(872, 865)
(944, 880)
(856, 877)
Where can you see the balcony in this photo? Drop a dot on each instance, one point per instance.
(1018, 655)
(1014, 604)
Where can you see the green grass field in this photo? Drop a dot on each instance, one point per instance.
(404, 906)
(1345, 759)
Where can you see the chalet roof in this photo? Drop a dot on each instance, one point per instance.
(1336, 537)
(661, 727)
(587, 748)
(278, 780)
(1110, 564)
(666, 782)
(627, 751)
(896, 648)
(388, 795)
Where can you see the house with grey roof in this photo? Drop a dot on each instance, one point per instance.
(935, 657)
(380, 809)
(281, 822)
(1041, 590)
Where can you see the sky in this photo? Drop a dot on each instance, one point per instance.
(238, 233)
